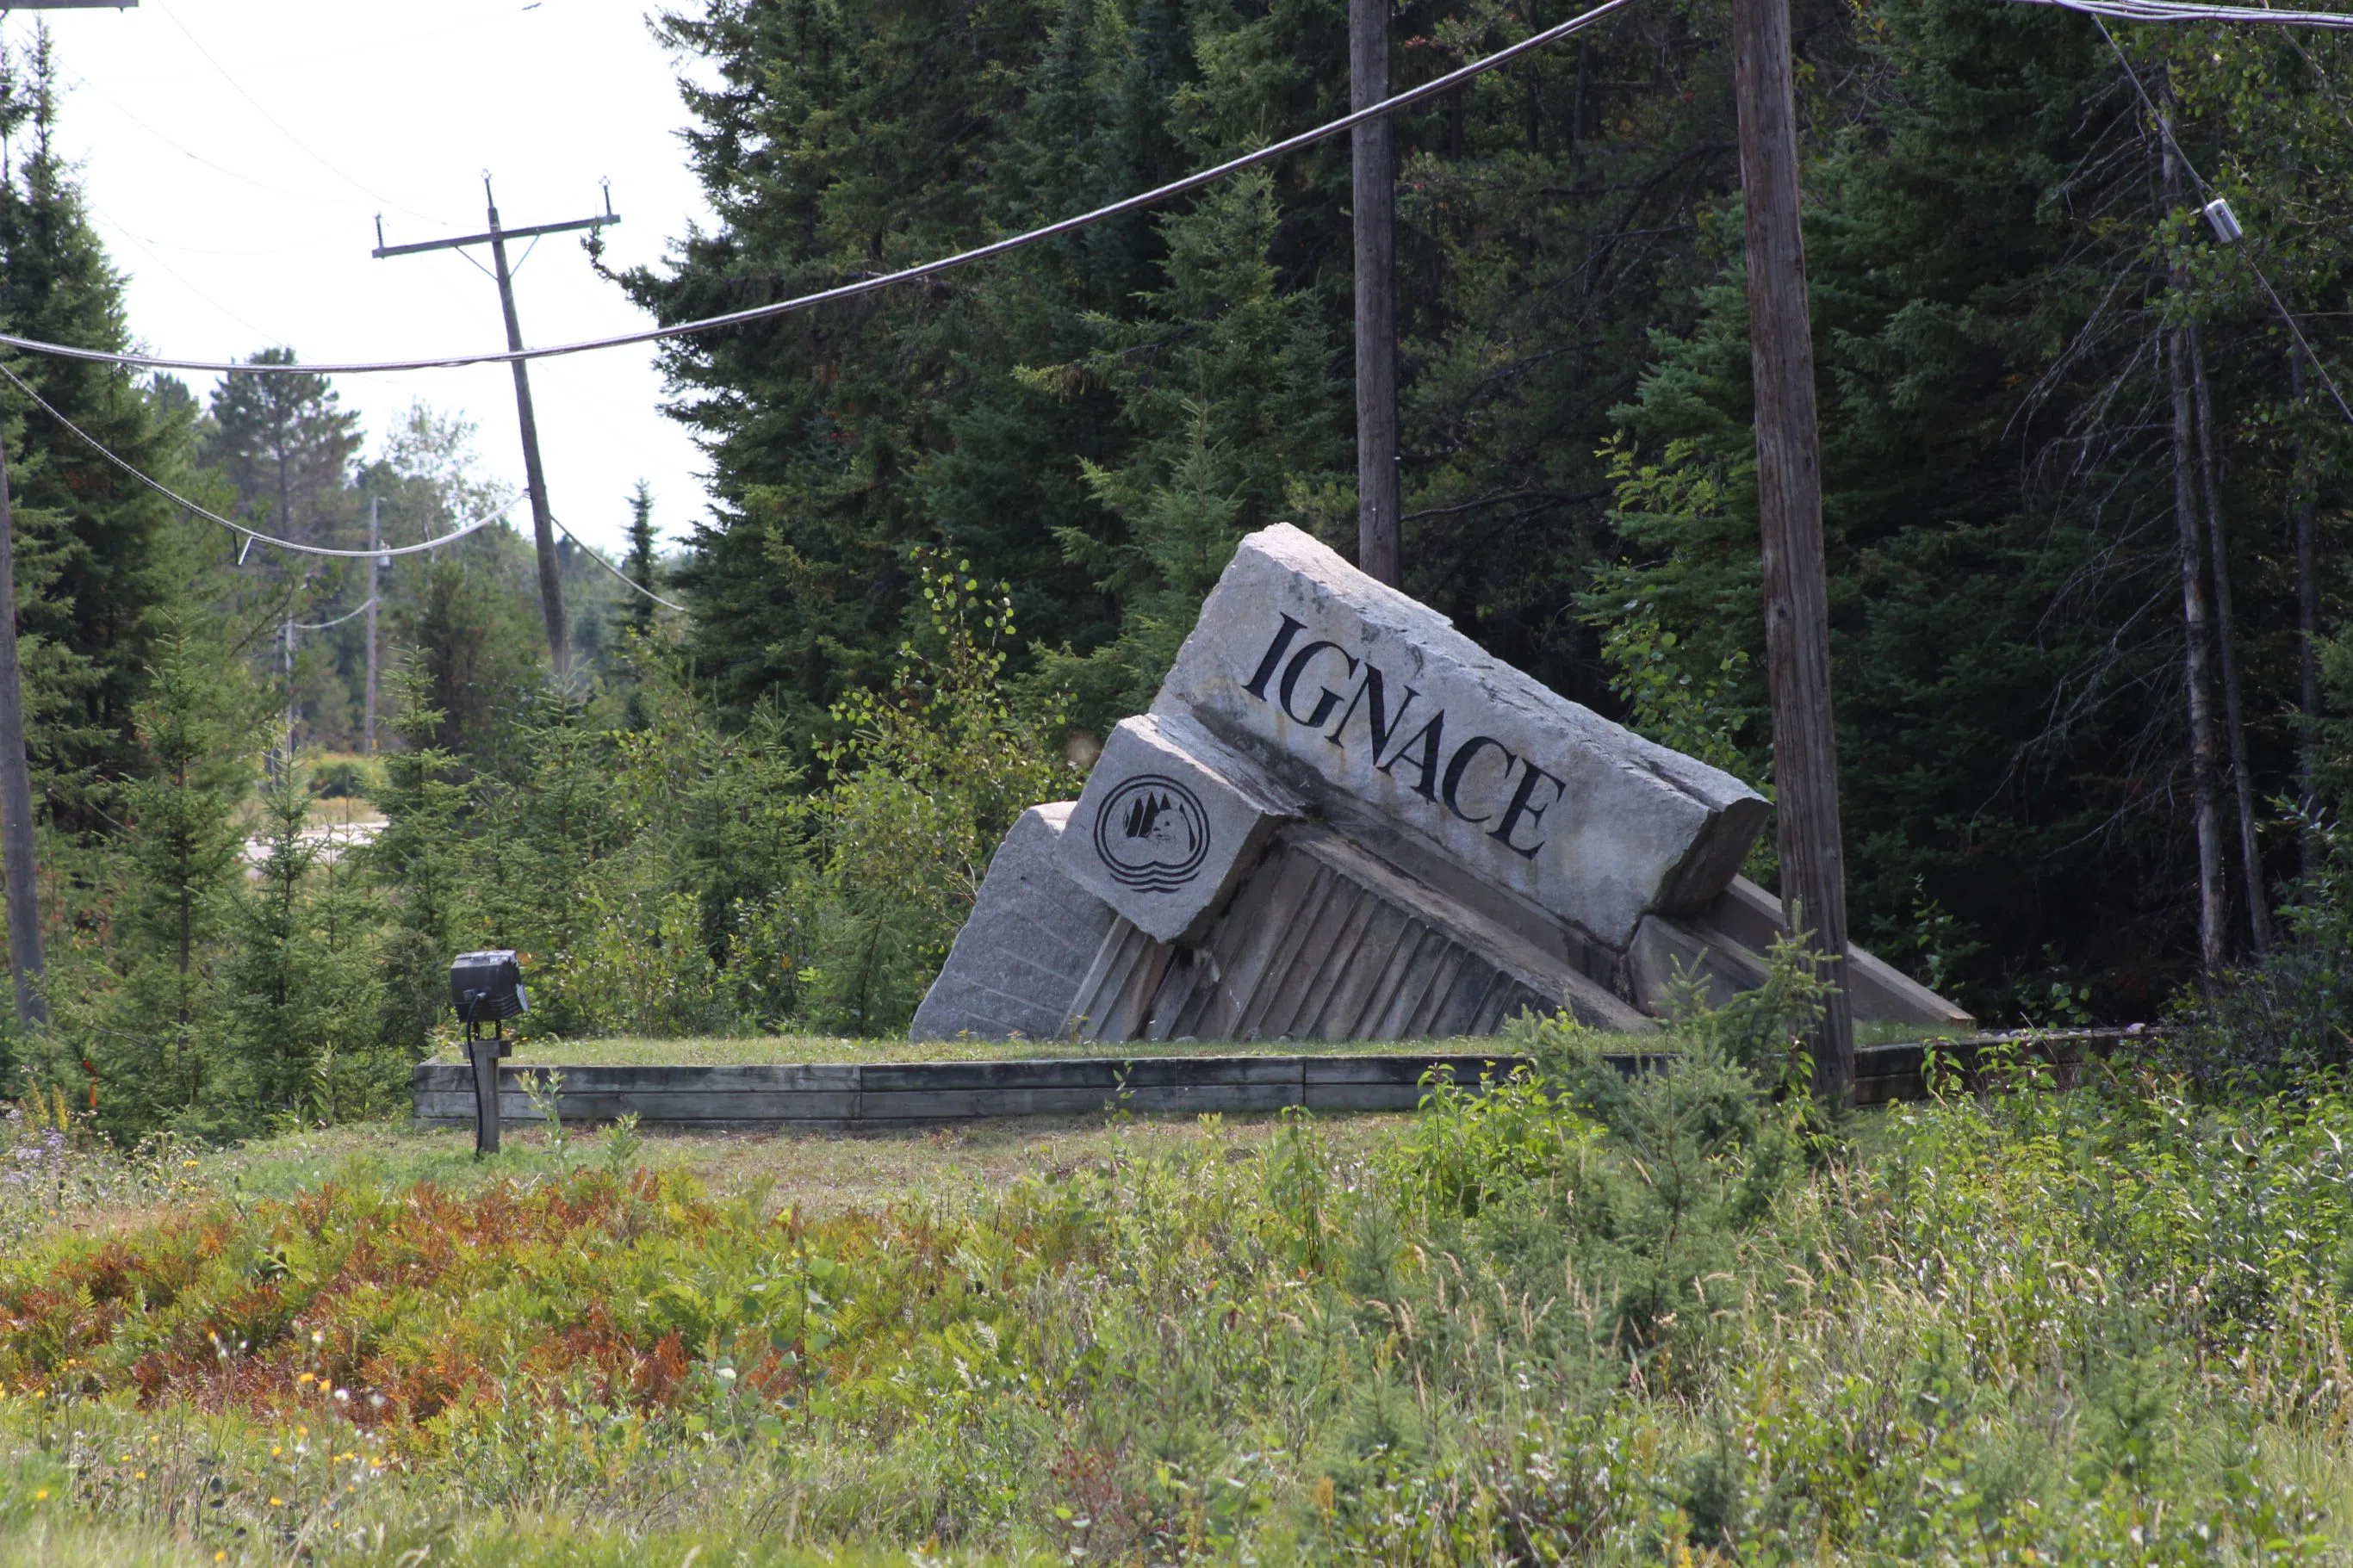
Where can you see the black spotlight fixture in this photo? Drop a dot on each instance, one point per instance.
(487, 988)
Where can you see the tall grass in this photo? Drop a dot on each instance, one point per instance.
(1650, 1321)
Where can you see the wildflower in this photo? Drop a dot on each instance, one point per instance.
(41, 1496)
(277, 1502)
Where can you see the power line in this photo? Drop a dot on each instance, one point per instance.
(590, 550)
(1121, 208)
(2178, 11)
(339, 620)
(277, 125)
(253, 536)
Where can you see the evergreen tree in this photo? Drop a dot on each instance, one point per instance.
(1996, 507)
(95, 551)
(154, 1034)
(473, 664)
(639, 613)
(1226, 385)
(286, 445)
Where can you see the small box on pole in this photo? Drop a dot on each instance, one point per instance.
(487, 986)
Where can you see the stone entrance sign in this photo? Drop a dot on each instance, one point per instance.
(1350, 690)
(1341, 819)
(1170, 821)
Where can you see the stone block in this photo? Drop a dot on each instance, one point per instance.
(1019, 961)
(1877, 990)
(1665, 952)
(1326, 941)
(1168, 824)
(1348, 691)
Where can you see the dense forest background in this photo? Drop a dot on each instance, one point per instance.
(1993, 254)
(962, 527)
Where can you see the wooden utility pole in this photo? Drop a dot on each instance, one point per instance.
(1789, 515)
(376, 561)
(17, 791)
(543, 523)
(1373, 202)
(2213, 909)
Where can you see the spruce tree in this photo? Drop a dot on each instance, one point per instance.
(154, 1028)
(1992, 512)
(95, 553)
(639, 613)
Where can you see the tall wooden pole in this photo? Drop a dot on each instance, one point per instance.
(2213, 909)
(376, 561)
(17, 791)
(1373, 201)
(534, 478)
(1789, 514)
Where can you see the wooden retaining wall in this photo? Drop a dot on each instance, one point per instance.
(877, 1096)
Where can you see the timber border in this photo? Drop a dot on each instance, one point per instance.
(877, 1096)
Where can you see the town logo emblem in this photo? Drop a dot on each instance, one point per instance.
(1152, 833)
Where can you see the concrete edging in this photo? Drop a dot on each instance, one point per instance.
(876, 1096)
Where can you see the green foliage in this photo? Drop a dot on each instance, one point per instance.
(147, 994)
(1470, 1147)
(2021, 1329)
(1996, 509)
(1545, 228)
(1224, 382)
(96, 551)
(472, 665)
(344, 779)
(926, 786)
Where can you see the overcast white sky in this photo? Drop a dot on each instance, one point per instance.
(236, 155)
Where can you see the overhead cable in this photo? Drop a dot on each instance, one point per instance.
(588, 549)
(2181, 11)
(339, 620)
(1120, 209)
(253, 536)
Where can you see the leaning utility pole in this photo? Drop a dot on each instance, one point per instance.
(543, 524)
(1373, 202)
(17, 791)
(1789, 514)
(375, 560)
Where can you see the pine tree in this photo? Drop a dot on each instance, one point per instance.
(287, 444)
